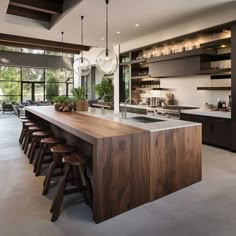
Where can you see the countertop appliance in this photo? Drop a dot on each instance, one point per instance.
(172, 112)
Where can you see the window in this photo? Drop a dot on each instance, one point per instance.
(33, 51)
(10, 85)
(38, 84)
(32, 74)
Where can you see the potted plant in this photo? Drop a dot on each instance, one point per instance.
(105, 91)
(79, 95)
(63, 103)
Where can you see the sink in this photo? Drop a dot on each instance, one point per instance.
(144, 119)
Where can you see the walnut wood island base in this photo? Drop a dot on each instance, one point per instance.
(131, 166)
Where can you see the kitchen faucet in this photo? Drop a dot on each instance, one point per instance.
(124, 112)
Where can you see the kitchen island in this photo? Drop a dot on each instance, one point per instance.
(132, 163)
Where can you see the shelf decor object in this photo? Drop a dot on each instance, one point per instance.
(107, 60)
(82, 65)
(63, 72)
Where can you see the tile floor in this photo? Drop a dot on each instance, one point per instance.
(207, 208)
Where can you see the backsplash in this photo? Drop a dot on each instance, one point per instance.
(186, 93)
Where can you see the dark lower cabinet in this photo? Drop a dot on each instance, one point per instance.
(215, 131)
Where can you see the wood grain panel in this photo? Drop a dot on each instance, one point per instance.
(140, 169)
(111, 170)
(175, 160)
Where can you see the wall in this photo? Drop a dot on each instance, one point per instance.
(186, 93)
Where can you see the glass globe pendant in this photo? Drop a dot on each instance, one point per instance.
(82, 65)
(107, 60)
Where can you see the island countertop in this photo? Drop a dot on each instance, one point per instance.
(82, 125)
(165, 124)
(132, 163)
(92, 122)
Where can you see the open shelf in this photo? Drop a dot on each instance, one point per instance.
(190, 53)
(215, 71)
(214, 88)
(140, 77)
(217, 43)
(146, 89)
(143, 60)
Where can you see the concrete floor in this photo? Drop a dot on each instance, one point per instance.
(207, 208)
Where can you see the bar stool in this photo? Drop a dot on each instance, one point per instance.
(23, 121)
(75, 171)
(37, 136)
(58, 152)
(25, 132)
(45, 149)
(29, 136)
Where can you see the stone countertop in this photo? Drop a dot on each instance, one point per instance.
(205, 112)
(165, 124)
(200, 111)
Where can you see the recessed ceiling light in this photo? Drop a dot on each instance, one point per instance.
(118, 32)
(136, 25)
(102, 39)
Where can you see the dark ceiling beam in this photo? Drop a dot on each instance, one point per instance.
(17, 11)
(39, 5)
(25, 42)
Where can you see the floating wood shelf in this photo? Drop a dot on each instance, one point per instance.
(214, 88)
(190, 53)
(217, 43)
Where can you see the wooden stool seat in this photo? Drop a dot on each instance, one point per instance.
(25, 121)
(30, 124)
(63, 149)
(23, 117)
(34, 128)
(58, 151)
(52, 140)
(29, 137)
(37, 136)
(41, 134)
(75, 160)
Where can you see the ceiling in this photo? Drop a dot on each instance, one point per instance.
(42, 10)
(151, 15)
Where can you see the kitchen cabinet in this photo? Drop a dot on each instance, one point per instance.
(215, 131)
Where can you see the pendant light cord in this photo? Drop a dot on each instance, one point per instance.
(62, 41)
(107, 2)
(82, 37)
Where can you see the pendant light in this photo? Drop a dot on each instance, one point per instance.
(82, 65)
(107, 60)
(63, 72)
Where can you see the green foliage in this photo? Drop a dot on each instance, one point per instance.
(61, 99)
(10, 85)
(79, 93)
(52, 88)
(105, 90)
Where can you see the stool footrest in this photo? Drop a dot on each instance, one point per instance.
(74, 190)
